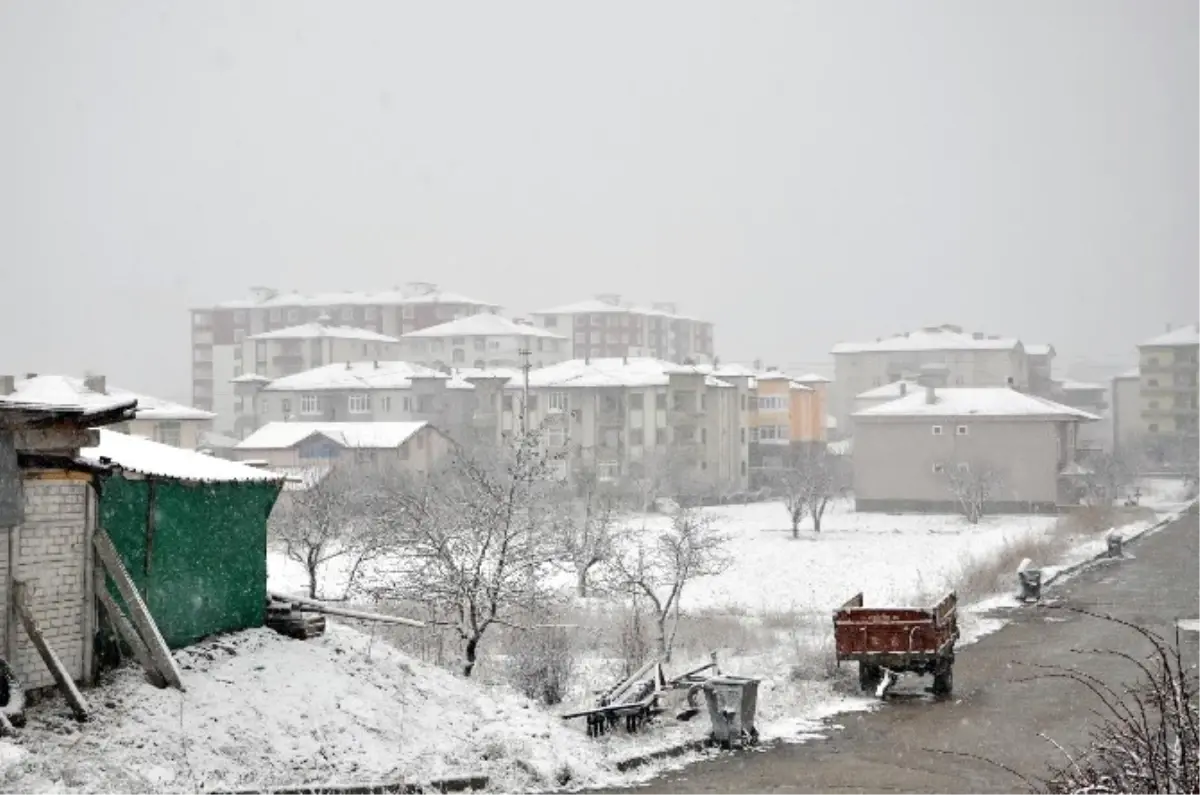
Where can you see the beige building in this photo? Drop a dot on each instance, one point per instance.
(154, 418)
(904, 449)
(1170, 389)
(218, 332)
(361, 392)
(294, 349)
(1126, 413)
(1092, 398)
(406, 446)
(607, 327)
(640, 419)
(971, 359)
(483, 341)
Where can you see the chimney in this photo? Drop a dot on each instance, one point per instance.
(347, 365)
(8, 384)
(324, 319)
(903, 389)
(419, 288)
(30, 375)
(612, 299)
(95, 383)
(263, 293)
(930, 394)
(376, 363)
(625, 358)
(1011, 384)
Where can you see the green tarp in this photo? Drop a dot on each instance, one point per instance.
(197, 553)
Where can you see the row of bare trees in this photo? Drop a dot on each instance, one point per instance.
(483, 539)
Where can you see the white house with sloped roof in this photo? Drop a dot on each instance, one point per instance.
(483, 341)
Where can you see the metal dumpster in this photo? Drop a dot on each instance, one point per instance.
(732, 702)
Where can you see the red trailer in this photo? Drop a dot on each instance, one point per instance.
(898, 639)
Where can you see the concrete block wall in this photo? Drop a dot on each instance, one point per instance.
(53, 563)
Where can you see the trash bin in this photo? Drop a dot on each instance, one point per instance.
(732, 702)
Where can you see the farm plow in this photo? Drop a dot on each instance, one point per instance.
(643, 697)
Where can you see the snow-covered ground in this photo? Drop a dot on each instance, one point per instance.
(264, 710)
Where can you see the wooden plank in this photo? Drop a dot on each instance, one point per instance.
(59, 438)
(61, 677)
(342, 611)
(159, 653)
(130, 636)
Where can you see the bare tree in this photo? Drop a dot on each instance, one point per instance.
(476, 539)
(657, 566)
(332, 519)
(1105, 478)
(585, 526)
(973, 485)
(809, 480)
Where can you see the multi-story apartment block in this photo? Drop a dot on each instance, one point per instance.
(971, 359)
(287, 351)
(483, 341)
(1169, 388)
(606, 327)
(1091, 399)
(219, 332)
(163, 421)
(786, 413)
(1126, 412)
(638, 419)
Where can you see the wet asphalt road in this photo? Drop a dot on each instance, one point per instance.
(997, 711)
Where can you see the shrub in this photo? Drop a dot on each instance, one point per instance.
(541, 663)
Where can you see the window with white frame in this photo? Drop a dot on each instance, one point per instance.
(347, 313)
(360, 403)
(608, 471)
(939, 469)
(386, 403)
(406, 312)
(936, 430)
(293, 315)
(557, 402)
(239, 316)
(556, 436)
(276, 315)
(310, 404)
(407, 403)
(286, 405)
(961, 430)
(369, 313)
(167, 433)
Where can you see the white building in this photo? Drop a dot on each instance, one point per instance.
(483, 341)
(605, 326)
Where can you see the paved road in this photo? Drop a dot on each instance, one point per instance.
(996, 711)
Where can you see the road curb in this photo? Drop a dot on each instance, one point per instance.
(634, 762)
(1083, 564)
(455, 784)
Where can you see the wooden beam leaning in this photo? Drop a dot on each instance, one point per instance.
(130, 636)
(156, 646)
(61, 676)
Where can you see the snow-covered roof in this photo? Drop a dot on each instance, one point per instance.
(312, 331)
(483, 325)
(360, 435)
(250, 378)
(1039, 349)
(355, 298)
(216, 441)
(596, 305)
(976, 402)
(1068, 385)
(932, 338)
(466, 373)
(145, 457)
(64, 391)
(1133, 373)
(796, 386)
(354, 375)
(811, 378)
(1182, 336)
(631, 372)
(889, 391)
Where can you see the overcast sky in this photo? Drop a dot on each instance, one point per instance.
(798, 172)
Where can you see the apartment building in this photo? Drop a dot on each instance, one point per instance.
(786, 412)
(638, 419)
(219, 332)
(1093, 399)
(291, 350)
(161, 420)
(607, 327)
(971, 359)
(1169, 390)
(1126, 412)
(483, 341)
(411, 447)
(360, 392)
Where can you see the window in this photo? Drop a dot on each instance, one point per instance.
(743, 402)
(481, 343)
(239, 316)
(201, 320)
(550, 322)
(743, 435)
(635, 401)
(435, 346)
(506, 402)
(238, 335)
(293, 315)
(493, 345)
(1152, 382)
(936, 430)
(276, 315)
(533, 402)
(961, 430)
(286, 406)
(770, 432)
(369, 313)
(1153, 404)
(703, 401)
(479, 364)
(457, 341)
(660, 401)
(407, 404)
(636, 437)
(581, 320)
(347, 314)
(167, 433)
(557, 402)
(754, 434)
(1154, 427)
(406, 312)
(743, 467)
(938, 469)
(556, 436)
(608, 470)
(425, 404)
(310, 404)
(458, 356)
(386, 404)
(704, 436)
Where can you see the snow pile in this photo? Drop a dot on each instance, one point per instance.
(262, 710)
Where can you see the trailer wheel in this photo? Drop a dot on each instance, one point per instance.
(869, 676)
(943, 679)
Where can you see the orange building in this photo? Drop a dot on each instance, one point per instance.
(786, 411)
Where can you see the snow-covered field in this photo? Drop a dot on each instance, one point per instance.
(264, 710)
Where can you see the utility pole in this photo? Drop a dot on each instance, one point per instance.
(525, 353)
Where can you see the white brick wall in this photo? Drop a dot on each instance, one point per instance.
(52, 563)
